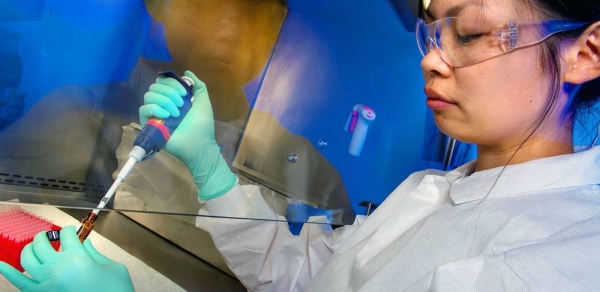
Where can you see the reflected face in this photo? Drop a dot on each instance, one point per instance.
(219, 39)
(226, 43)
(492, 103)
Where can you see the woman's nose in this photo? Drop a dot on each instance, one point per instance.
(432, 62)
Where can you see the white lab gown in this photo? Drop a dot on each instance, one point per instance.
(537, 229)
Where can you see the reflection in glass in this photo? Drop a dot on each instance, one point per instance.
(74, 77)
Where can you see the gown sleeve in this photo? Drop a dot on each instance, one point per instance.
(258, 246)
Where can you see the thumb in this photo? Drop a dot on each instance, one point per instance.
(201, 105)
(17, 278)
(199, 85)
(95, 254)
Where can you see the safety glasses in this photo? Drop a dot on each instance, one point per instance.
(465, 41)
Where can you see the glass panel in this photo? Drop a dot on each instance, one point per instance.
(340, 116)
(74, 75)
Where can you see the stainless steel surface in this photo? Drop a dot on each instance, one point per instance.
(179, 231)
(46, 193)
(187, 270)
(290, 164)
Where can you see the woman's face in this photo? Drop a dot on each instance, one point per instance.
(494, 103)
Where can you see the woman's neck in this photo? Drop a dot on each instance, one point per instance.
(533, 148)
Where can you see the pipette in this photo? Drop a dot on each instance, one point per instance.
(150, 141)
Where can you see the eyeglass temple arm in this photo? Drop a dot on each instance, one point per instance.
(547, 28)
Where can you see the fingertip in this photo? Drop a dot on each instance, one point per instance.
(69, 240)
(163, 94)
(197, 82)
(189, 73)
(153, 110)
(173, 83)
(69, 228)
(68, 232)
(87, 243)
(89, 247)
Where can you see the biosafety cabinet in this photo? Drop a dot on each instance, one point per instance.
(318, 103)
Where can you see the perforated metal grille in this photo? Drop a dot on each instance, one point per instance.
(49, 183)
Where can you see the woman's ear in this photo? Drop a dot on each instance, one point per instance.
(583, 57)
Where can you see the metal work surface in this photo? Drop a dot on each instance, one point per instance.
(182, 267)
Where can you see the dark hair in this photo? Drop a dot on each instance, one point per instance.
(583, 11)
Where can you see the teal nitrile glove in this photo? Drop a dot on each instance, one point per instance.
(78, 267)
(193, 142)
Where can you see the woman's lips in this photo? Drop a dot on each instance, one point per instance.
(436, 101)
(438, 104)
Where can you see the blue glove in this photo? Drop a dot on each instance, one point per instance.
(193, 142)
(78, 267)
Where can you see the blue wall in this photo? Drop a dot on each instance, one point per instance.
(63, 42)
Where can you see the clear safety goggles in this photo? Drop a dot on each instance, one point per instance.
(465, 41)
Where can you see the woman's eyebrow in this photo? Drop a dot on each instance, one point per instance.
(429, 14)
(453, 11)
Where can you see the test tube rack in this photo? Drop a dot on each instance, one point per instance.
(18, 228)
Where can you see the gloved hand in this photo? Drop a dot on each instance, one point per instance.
(193, 142)
(78, 267)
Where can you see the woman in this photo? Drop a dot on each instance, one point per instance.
(523, 216)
